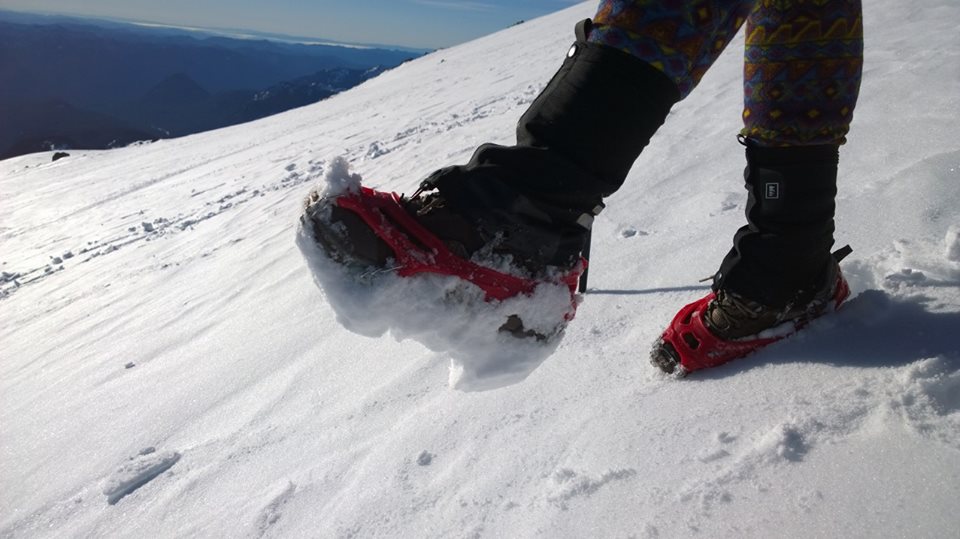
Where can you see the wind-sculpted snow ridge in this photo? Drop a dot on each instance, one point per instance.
(139, 471)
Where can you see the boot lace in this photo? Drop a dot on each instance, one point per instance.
(731, 312)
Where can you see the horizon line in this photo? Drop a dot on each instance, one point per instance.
(235, 33)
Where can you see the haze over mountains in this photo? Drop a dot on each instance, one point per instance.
(81, 83)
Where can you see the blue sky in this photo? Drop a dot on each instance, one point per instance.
(412, 23)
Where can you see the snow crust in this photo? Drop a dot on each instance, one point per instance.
(154, 297)
(139, 471)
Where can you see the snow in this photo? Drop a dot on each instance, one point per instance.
(139, 471)
(339, 180)
(446, 315)
(952, 243)
(203, 337)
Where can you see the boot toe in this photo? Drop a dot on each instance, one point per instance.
(344, 235)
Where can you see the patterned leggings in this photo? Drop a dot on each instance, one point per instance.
(802, 63)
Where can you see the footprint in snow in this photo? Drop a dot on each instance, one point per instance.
(273, 511)
(376, 150)
(718, 450)
(567, 484)
(784, 443)
(631, 232)
(730, 202)
(929, 398)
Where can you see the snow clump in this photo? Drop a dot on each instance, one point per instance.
(339, 180)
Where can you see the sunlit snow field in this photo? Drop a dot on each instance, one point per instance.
(168, 368)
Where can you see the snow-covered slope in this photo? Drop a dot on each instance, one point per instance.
(168, 369)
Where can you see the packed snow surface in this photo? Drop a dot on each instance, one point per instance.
(168, 368)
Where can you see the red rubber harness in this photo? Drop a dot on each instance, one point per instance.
(417, 250)
(699, 348)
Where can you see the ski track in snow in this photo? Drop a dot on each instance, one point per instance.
(154, 304)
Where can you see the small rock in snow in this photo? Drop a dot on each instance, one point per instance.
(67, 255)
(631, 232)
(56, 260)
(375, 150)
(425, 459)
(147, 450)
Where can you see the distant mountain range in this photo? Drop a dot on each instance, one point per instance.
(77, 83)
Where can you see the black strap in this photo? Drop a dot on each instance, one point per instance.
(582, 288)
(842, 253)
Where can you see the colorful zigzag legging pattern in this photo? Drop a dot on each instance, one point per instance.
(802, 61)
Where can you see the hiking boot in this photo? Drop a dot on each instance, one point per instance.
(356, 230)
(779, 274)
(731, 316)
(370, 232)
(724, 325)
